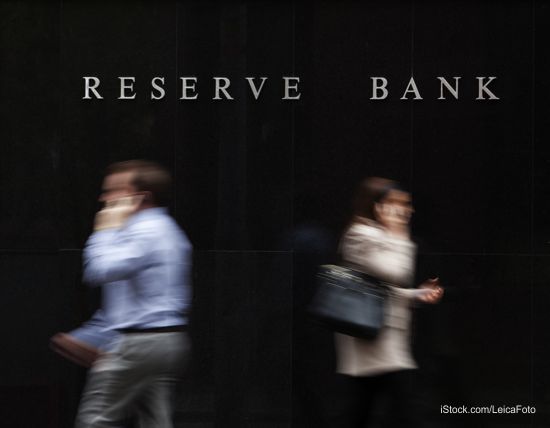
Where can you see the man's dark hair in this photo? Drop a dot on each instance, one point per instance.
(148, 177)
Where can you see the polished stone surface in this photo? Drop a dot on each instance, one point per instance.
(251, 175)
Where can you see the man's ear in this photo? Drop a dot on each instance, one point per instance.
(147, 197)
(137, 200)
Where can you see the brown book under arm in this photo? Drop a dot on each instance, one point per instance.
(74, 350)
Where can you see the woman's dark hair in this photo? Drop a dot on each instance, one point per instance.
(148, 176)
(370, 191)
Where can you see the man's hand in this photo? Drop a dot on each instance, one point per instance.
(116, 212)
(76, 351)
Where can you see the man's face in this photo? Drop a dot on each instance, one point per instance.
(116, 186)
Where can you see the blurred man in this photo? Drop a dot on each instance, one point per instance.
(141, 259)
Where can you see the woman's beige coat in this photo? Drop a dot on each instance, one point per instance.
(367, 247)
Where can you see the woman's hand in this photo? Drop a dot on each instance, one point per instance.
(434, 291)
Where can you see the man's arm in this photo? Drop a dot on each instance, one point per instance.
(113, 255)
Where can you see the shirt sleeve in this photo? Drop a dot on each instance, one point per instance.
(114, 255)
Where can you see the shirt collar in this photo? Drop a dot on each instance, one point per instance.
(146, 214)
(367, 221)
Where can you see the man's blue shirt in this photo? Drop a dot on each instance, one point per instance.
(144, 269)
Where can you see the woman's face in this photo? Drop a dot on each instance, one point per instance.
(395, 208)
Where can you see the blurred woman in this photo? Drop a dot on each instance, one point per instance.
(378, 243)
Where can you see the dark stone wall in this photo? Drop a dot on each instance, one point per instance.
(249, 174)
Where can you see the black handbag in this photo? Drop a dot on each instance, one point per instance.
(349, 301)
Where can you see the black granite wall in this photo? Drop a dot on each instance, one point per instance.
(250, 173)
